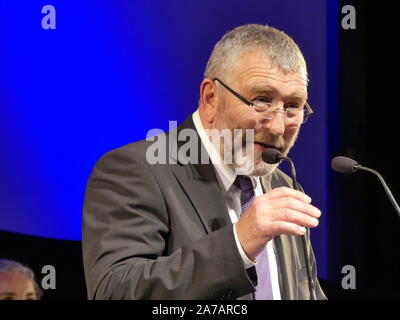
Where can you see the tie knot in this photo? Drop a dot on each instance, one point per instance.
(244, 183)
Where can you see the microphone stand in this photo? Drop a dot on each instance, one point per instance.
(385, 187)
(296, 186)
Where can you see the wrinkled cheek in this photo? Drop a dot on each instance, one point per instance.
(291, 130)
(291, 133)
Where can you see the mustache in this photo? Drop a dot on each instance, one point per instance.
(277, 142)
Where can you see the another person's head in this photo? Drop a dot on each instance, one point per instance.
(266, 67)
(17, 282)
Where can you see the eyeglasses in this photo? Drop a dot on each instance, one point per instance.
(267, 107)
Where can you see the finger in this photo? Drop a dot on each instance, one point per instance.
(295, 204)
(283, 227)
(294, 217)
(286, 192)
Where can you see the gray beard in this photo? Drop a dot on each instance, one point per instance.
(259, 167)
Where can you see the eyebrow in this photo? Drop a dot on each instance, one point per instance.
(268, 90)
(7, 294)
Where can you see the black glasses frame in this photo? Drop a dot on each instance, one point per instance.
(251, 104)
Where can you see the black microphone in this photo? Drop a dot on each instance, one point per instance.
(346, 165)
(272, 156)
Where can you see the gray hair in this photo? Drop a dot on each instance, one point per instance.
(7, 265)
(281, 50)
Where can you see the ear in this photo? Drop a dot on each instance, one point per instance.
(209, 100)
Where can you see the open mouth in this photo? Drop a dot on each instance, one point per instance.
(264, 145)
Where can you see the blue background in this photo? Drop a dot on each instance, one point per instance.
(112, 71)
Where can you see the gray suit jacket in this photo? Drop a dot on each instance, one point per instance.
(163, 232)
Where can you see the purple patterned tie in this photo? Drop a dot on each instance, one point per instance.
(264, 285)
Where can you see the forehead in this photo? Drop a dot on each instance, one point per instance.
(15, 282)
(255, 70)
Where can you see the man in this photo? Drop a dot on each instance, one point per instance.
(17, 282)
(196, 230)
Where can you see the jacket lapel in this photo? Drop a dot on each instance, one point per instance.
(200, 184)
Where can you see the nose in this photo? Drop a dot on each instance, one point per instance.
(276, 124)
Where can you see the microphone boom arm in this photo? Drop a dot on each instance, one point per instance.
(296, 186)
(293, 170)
(385, 187)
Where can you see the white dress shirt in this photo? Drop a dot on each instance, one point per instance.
(226, 177)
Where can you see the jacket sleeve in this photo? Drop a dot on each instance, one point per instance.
(125, 232)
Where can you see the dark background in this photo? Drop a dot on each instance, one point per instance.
(363, 120)
(364, 229)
